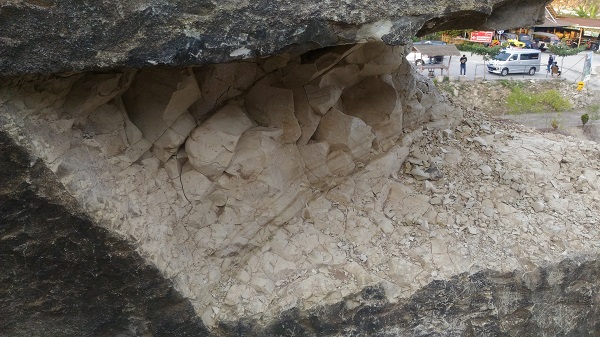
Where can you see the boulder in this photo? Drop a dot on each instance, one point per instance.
(265, 174)
(306, 116)
(93, 90)
(174, 136)
(321, 99)
(196, 186)
(211, 145)
(346, 133)
(219, 83)
(315, 157)
(375, 101)
(274, 107)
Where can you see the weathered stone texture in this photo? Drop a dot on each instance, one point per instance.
(60, 275)
(337, 184)
(46, 37)
(201, 175)
(557, 300)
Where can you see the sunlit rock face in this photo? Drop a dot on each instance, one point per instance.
(225, 182)
(312, 192)
(290, 193)
(48, 36)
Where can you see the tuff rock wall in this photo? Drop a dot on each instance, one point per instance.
(223, 176)
(334, 193)
(313, 192)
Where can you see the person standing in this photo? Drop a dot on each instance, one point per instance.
(463, 65)
(550, 62)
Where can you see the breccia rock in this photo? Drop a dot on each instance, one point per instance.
(44, 37)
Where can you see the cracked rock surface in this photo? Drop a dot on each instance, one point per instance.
(280, 204)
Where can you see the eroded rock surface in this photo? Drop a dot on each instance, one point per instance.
(61, 275)
(337, 183)
(48, 36)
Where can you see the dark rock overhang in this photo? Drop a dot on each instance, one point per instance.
(44, 37)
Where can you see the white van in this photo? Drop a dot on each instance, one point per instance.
(515, 61)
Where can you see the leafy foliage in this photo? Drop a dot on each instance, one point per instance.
(584, 119)
(479, 49)
(590, 11)
(555, 122)
(563, 50)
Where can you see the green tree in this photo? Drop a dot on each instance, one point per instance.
(563, 50)
(587, 11)
(584, 119)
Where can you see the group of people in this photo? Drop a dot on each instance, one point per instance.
(552, 66)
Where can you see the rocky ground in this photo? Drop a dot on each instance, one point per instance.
(490, 97)
(488, 194)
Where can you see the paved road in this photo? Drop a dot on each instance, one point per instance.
(572, 67)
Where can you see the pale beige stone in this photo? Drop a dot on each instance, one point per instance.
(322, 98)
(375, 101)
(296, 74)
(376, 58)
(196, 186)
(387, 165)
(346, 133)
(169, 142)
(306, 116)
(239, 294)
(219, 83)
(157, 98)
(211, 145)
(315, 158)
(414, 114)
(274, 107)
(342, 76)
(339, 163)
(105, 125)
(330, 57)
(266, 175)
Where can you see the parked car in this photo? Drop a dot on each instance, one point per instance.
(512, 61)
(435, 59)
(520, 41)
(543, 40)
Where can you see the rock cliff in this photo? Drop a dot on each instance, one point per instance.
(49, 36)
(329, 192)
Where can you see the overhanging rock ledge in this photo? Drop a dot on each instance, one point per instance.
(49, 36)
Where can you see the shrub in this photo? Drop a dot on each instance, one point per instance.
(584, 119)
(520, 101)
(555, 100)
(555, 123)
